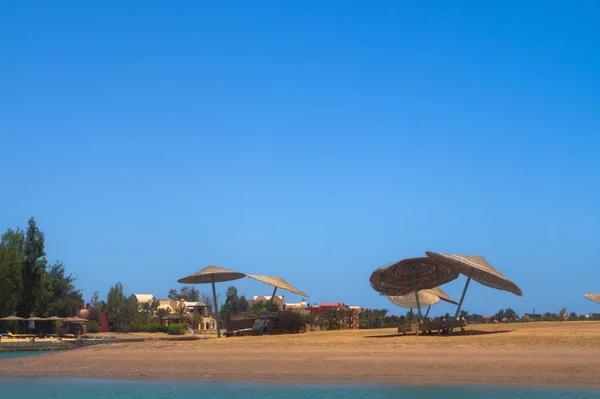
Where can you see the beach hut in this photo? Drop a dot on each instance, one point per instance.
(476, 268)
(411, 275)
(276, 282)
(593, 297)
(212, 275)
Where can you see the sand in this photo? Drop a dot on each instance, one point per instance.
(558, 354)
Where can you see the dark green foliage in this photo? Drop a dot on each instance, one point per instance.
(475, 319)
(177, 329)
(121, 309)
(187, 293)
(93, 326)
(63, 298)
(372, 318)
(548, 317)
(261, 307)
(28, 284)
(155, 327)
(508, 314)
(562, 314)
(573, 316)
(32, 271)
(332, 319)
(234, 304)
(11, 261)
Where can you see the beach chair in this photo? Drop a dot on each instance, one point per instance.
(429, 327)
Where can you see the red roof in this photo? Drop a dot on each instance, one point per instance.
(332, 304)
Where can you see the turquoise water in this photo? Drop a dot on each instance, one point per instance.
(38, 388)
(12, 355)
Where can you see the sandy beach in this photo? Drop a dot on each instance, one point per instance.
(559, 354)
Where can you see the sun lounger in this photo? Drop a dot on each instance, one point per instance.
(430, 327)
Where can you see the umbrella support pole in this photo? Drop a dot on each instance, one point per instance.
(216, 309)
(426, 313)
(416, 295)
(462, 297)
(269, 303)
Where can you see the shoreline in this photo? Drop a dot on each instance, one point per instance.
(594, 387)
(559, 355)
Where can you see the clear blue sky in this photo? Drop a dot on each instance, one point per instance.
(312, 140)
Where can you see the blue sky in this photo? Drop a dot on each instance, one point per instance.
(312, 140)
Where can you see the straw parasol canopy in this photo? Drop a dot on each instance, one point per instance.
(426, 298)
(211, 274)
(409, 301)
(277, 282)
(54, 318)
(593, 297)
(443, 296)
(479, 269)
(397, 279)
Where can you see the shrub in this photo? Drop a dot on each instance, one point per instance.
(93, 326)
(155, 327)
(177, 329)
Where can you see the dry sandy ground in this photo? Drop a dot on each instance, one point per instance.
(562, 354)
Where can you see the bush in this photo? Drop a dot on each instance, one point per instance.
(177, 329)
(93, 326)
(155, 327)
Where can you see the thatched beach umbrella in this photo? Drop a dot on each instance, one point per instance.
(276, 282)
(411, 275)
(212, 274)
(593, 297)
(54, 319)
(478, 269)
(32, 319)
(12, 318)
(426, 298)
(75, 319)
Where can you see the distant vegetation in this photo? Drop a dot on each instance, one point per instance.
(29, 284)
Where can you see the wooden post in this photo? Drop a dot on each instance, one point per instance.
(416, 294)
(426, 313)
(216, 308)
(269, 303)
(462, 297)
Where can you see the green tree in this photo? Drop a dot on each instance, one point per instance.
(33, 268)
(573, 316)
(187, 293)
(11, 276)
(332, 319)
(234, 304)
(95, 301)
(500, 315)
(163, 313)
(63, 297)
(121, 309)
(181, 310)
(511, 315)
(562, 314)
(261, 306)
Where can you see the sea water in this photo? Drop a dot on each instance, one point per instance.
(49, 388)
(14, 354)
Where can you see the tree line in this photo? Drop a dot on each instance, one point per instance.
(30, 284)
